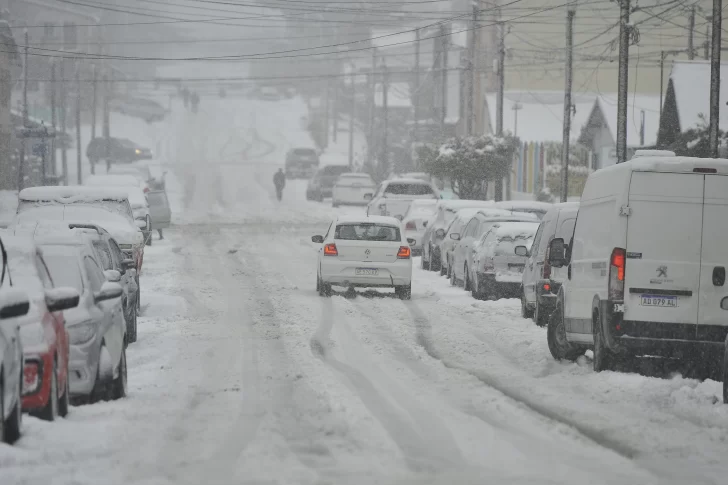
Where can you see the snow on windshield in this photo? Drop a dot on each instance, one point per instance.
(511, 235)
(62, 264)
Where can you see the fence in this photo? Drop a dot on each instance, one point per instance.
(537, 166)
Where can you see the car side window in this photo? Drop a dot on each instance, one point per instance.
(45, 277)
(116, 254)
(469, 228)
(94, 274)
(102, 250)
(537, 238)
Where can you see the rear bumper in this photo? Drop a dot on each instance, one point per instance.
(343, 273)
(659, 338)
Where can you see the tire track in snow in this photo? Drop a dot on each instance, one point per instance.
(411, 437)
(423, 336)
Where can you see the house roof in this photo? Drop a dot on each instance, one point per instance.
(690, 80)
(636, 104)
(541, 114)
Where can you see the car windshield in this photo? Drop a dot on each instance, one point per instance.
(408, 189)
(366, 232)
(62, 264)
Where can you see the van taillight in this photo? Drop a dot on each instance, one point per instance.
(404, 252)
(616, 274)
(330, 250)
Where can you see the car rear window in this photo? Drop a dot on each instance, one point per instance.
(334, 170)
(306, 152)
(367, 232)
(62, 264)
(408, 189)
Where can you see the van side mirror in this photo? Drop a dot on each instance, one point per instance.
(317, 239)
(521, 251)
(557, 253)
(14, 302)
(440, 233)
(455, 236)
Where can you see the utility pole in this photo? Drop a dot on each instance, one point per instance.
(568, 79)
(107, 117)
(642, 128)
(352, 115)
(62, 96)
(416, 97)
(24, 143)
(624, 38)
(691, 34)
(94, 108)
(336, 112)
(470, 126)
(443, 71)
(53, 118)
(499, 105)
(79, 150)
(706, 44)
(327, 108)
(372, 108)
(384, 162)
(715, 77)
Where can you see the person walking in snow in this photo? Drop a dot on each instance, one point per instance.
(279, 180)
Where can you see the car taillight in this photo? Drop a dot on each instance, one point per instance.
(31, 377)
(616, 274)
(146, 189)
(546, 267)
(546, 287)
(411, 226)
(330, 250)
(404, 252)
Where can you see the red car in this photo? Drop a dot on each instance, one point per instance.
(42, 331)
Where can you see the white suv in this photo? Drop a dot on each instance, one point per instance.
(646, 265)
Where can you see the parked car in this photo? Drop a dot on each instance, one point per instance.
(42, 330)
(117, 150)
(415, 222)
(435, 231)
(413, 175)
(647, 264)
(541, 282)
(364, 251)
(531, 206)
(448, 243)
(140, 174)
(467, 240)
(96, 328)
(137, 198)
(500, 259)
(393, 197)
(301, 162)
(352, 189)
(14, 304)
(322, 183)
(106, 207)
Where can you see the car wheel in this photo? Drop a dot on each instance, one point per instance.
(604, 358)
(451, 274)
(467, 284)
(725, 372)
(444, 269)
(403, 292)
(50, 411)
(138, 295)
(324, 289)
(118, 385)
(560, 348)
(14, 422)
(65, 401)
(525, 311)
(423, 264)
(540, 317)
(435, 264)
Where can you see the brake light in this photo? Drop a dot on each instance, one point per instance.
(411, 226)
(546, 287)
(404, 252)
(617, 267)
(330, 250)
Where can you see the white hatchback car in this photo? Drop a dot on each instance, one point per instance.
(364, 252)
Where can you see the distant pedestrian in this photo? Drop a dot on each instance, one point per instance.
(279, 180)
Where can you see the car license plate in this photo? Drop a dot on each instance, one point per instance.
(659, 300)
(366, 272)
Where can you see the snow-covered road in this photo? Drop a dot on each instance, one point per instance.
(243, 374)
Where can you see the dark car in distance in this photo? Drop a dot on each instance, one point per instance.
(117, 150)
(322, 184)
(301, 162)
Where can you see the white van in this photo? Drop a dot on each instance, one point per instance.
(647, 262)
(541, 282)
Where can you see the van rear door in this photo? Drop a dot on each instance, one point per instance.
(664, 233)
(714, 260)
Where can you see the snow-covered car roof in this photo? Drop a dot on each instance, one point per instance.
(71, 194)
(112, 180)
(524, 205)
(368, 219)
(118, 226)
(665, 163)
(135, 194)
(407, 181)
(493, 213)
(450, 204)
(515, 230)
(44, 228)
